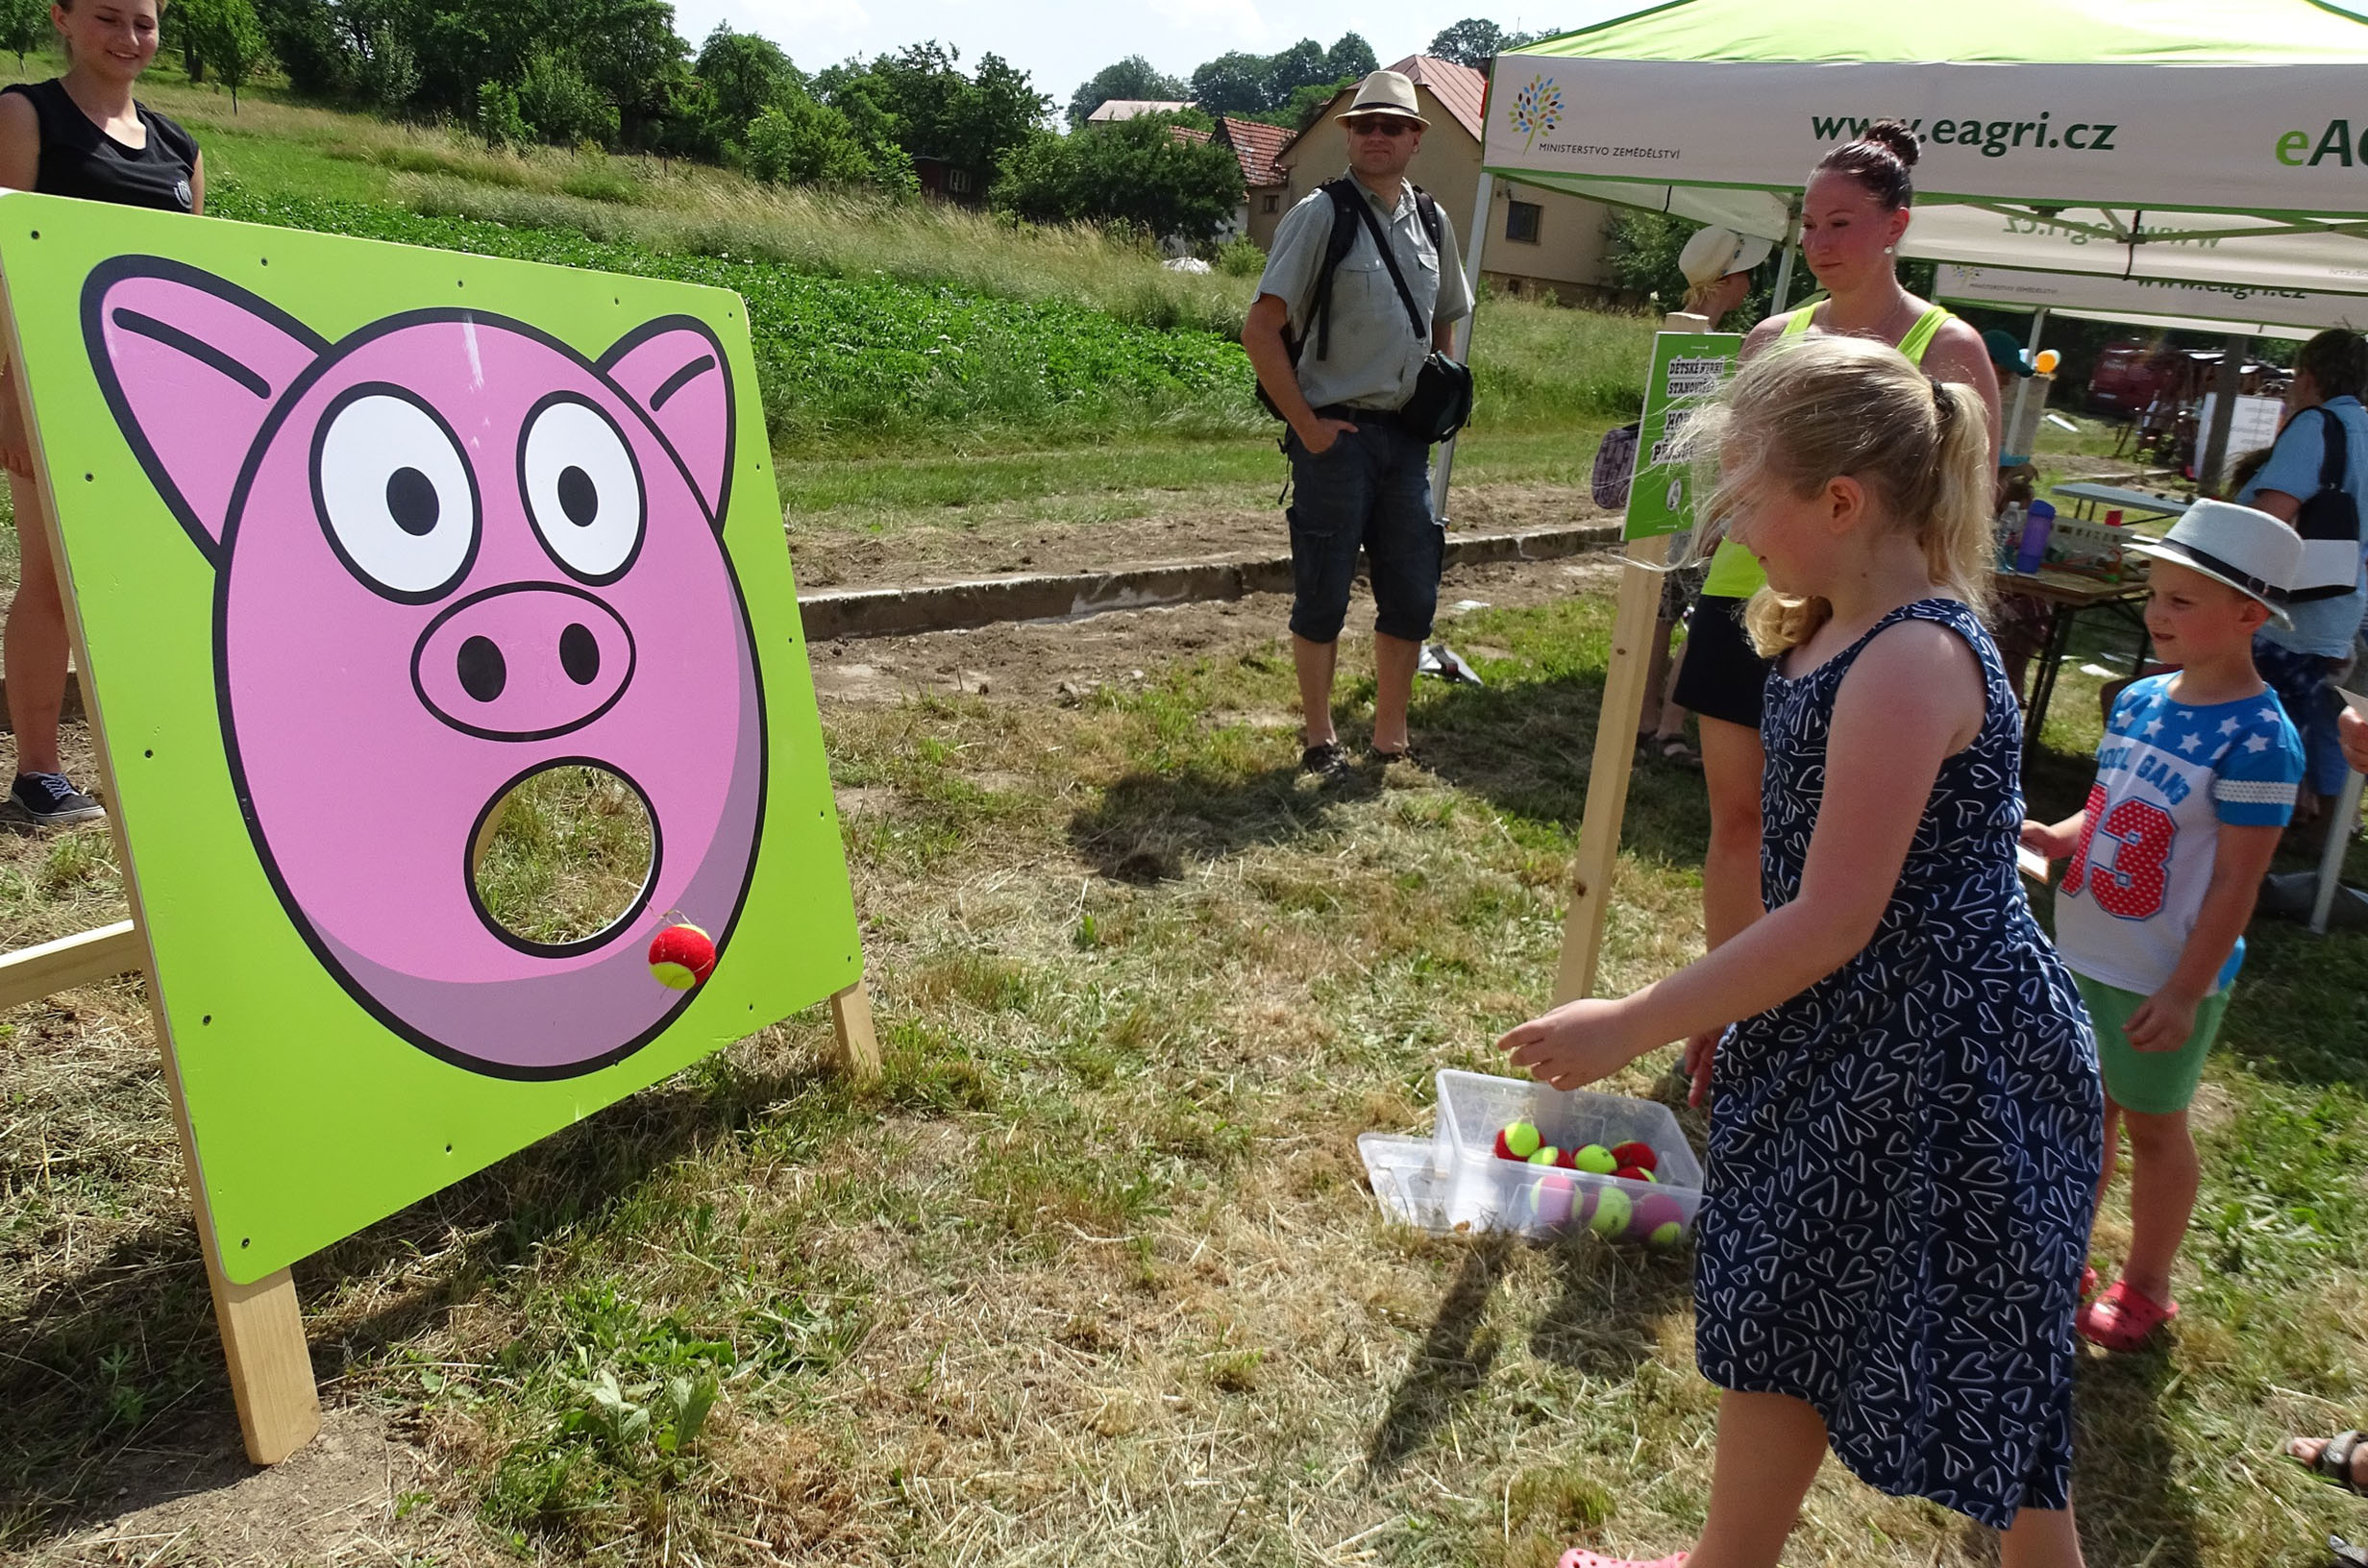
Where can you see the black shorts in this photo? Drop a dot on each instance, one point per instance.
(1721, 676)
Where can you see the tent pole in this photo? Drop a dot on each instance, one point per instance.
(2215, 453)
(1784, 268)
(2022, 385)
(1443, 466)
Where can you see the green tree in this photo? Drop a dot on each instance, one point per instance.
(1350, 56)
(800, 142)
(1136, 172)
(304, 37)
(934, 110)
(743, 74)
(1133, 77)
(1476, 41)
(229, 37)
(23, 25)
(563, 106)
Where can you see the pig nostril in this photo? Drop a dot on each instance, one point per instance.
(580, 653)
(578, 498)
(411, 502)
(483, 670)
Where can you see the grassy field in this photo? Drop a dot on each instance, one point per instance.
(1091, 1275)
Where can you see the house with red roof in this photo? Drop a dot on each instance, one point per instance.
(1256, 143)
(1538, 241)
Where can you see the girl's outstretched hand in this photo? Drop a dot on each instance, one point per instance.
(1576, 1043)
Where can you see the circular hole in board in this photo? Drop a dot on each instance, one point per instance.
(567, 853)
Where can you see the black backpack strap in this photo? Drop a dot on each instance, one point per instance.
(1388, 258)
(1428, 211)
(1342, 240)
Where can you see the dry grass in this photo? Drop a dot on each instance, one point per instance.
(1090, 1276)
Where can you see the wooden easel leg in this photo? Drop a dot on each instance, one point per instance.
(851, 1014)
(1633, 620)
(271, 1370)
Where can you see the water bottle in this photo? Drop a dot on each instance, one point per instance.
(2037, 524)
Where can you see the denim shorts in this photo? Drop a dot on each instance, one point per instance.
(1369, 490)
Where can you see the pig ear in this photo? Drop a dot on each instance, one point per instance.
(191, 365)
(675, 369)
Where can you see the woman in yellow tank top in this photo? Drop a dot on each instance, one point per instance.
(1852, 216)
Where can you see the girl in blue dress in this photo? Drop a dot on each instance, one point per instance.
(1906, 1124)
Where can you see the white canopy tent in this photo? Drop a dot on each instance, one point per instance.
(2226, 309)
(2177, 141)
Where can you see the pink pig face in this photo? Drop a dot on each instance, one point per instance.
(450, 552)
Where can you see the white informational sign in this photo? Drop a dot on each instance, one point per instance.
(2255, 425)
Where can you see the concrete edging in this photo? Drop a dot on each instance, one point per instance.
(956, 606)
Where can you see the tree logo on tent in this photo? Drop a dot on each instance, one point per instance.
(1536, 108)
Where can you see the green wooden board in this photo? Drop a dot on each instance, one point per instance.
(1686, 368)
(305, 483)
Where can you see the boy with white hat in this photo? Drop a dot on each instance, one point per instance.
(2196, 779)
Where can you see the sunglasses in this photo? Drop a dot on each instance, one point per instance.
(1382, 128)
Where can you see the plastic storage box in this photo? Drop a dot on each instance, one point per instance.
(1466, 1187)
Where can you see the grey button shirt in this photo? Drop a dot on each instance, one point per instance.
(1375, 355)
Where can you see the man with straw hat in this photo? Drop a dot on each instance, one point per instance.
(1364, 277)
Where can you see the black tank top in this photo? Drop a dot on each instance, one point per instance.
(77, 158)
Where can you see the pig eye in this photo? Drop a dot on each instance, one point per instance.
(395, 494)
(581, 489)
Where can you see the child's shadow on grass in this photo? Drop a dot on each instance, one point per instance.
(2125, 1484)
(1605, 1322)
(1608, 1318)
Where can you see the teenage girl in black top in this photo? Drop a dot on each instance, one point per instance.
(78, 135)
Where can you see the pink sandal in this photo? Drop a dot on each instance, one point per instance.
(1579, 1558)
(2123, 1319)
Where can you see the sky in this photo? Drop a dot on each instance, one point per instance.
(1060, 44)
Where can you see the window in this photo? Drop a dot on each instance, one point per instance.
(1274, 203)
(1522, 221)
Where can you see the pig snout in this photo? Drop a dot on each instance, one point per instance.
(523, 662)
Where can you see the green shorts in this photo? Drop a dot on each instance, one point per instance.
(2151, 1082)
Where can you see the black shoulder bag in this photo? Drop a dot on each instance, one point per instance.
(2328, 523)
(1442, 400)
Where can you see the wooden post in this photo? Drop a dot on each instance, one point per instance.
(1633, 620)
(263, 1334)
(1634, 617)
(850, 1015)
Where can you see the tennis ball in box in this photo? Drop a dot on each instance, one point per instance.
(1610, 1214)
(1638, 1153)
(1517, 1141)
(1596, 1160)
(1548, 1200)
(1659, 1220)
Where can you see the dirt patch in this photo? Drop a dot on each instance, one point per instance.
(1063, 660)
(352, 1494)
(838, 559)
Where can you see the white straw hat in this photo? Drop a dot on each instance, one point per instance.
(1712, 253)
(2251, 551)
(1385, 92)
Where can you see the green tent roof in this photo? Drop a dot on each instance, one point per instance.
(1993, 31)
